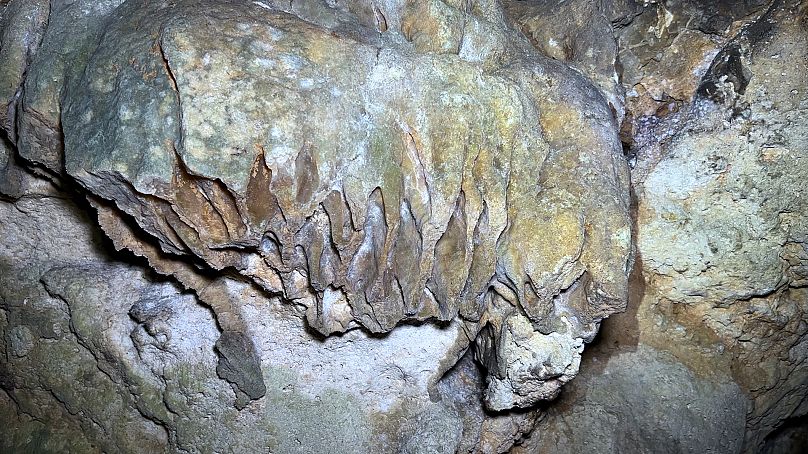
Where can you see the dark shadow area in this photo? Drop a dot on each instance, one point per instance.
(619, 332)
(790, 438)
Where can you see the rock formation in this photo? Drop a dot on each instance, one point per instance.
(394, 226)
(711, 353)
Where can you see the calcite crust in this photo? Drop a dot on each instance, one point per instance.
(373, 168)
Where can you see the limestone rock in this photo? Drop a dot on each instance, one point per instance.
(643, 401)
(401, 226)
(709, 356)
(722, 216)
(359, 166)
(577, 33)
(519, 355)
(718, 291)
(371, 176)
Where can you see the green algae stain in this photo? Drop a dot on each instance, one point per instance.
(332, 422)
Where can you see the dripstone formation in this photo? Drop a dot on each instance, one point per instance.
(394, 226)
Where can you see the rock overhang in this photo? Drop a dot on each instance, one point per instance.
(372, 176)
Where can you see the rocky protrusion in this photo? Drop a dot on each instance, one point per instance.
(371, 170)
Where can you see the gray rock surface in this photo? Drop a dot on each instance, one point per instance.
(644, 401)
(723, 215)
(308, 171)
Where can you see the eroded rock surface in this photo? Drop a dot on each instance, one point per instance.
(719, 289)
(359, 165)
(395, 226)
(731, 214)
(372, 176)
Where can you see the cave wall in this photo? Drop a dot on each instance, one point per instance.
(423, 226)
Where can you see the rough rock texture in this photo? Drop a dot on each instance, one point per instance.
(643, 401)
(371, 176)
(577, 33)
(735, 268)
(711, 353)
(235, 226)
(357, 166)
